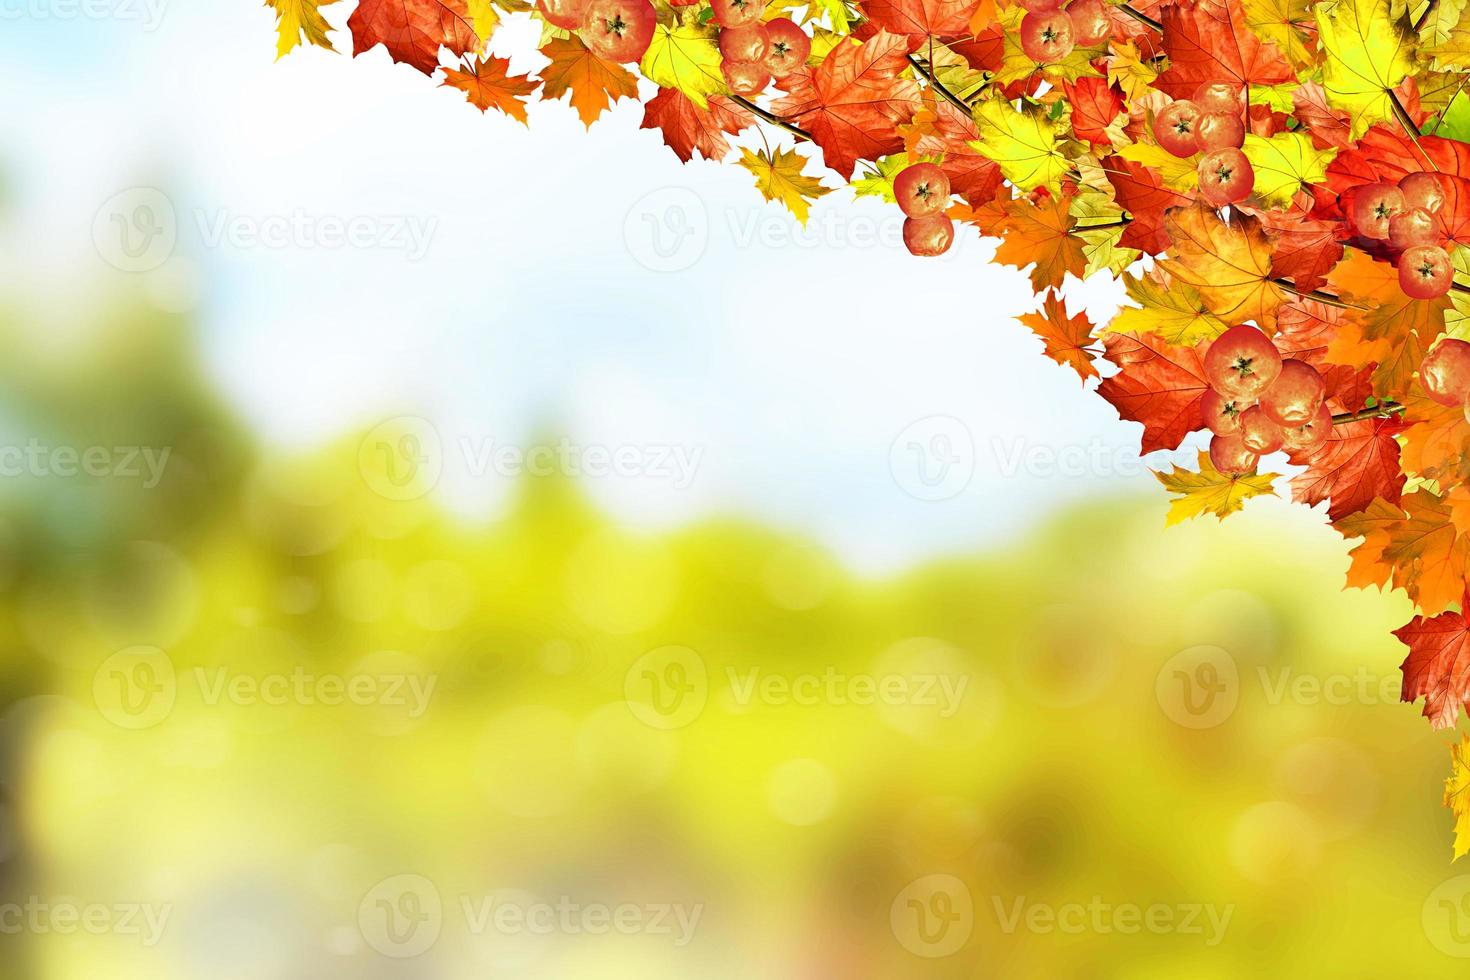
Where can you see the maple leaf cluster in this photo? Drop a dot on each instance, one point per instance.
(1295, 170)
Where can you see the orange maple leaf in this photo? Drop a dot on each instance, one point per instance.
(688, 129)
(1038, 234)
(1438, 665)
(413, 31)
(1066, 338)
(1428, 553)
(1230, 264)
(593, 82)
(1157, 384)
(487, 84)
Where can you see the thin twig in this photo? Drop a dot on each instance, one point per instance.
(928, 73)
(1141, 17)
(1377, 411)
(771, 117)
(1407, 121)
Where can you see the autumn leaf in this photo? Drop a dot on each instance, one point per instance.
(1358, 462)
(1230, 264)
(1177, 173)
(853, 102)
(1428, 553)
(297, 20)
(688, 129)
(1129, 71)
(1438, 665)
(779, 178)
(1039, 233)
(1369, 52)
(594, 83)
(1283, 164)
(1209, 491)
(1457, 794)
(1095, 107)
(686, 57)
(942, 132)
(1066, 338)
(413, 31)
(1174, 311)
(488, 85)
(1373, 524)
(1286, 24)
(920, 20)
(1327, 126)
(1304, 249)
(1142, 193)
(877, 179)
(1157, 384)
(1208, 42)
(1381, 305)
(1023, 144)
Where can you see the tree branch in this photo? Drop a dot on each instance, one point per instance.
(1377, 411)
(1141, 17)
(938, 86)
(771, 117)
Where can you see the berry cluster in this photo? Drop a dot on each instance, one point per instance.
(1212, 123)
(1259, 403)
(618, 30)
(1403, 215)
(756, 52)
(1049, 33)
(922, 191)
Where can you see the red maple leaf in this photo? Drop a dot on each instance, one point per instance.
(689, 129)
(919, 20)
(854, 100)
(1305, 249)
(1095, 104)
(413, 31)
(1157, 384)
(1327, 126)
(1438, 665)
(1359, 461)
(1208, 42)
(1141, 192)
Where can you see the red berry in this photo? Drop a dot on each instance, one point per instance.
(1231, 456)
(746, 77)
(618, 30)
(1242, 361)
(1046, 36)
(1423, 190)
(1225, 176)
(790, 46)
(1090, 22)
(738, 13)
(1221, 413)
(1445, 371)
(744, 43)
(928, 236)
(1259, 433)
(1174, 128)
(922, 190)
(1311, 434)
(1217, 130)
(566, 14)
(1373, 207)
(1415, 226)
(1295, 395)
(1225, 97)
(1425, 272)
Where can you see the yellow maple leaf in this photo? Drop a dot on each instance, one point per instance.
(297, 19)
(686, 57)
(1129, 71)
(1283, 164)
(1022, 144)
(1172, 310)
(878, 176)
(1179, 173)
(1211, 492)
(779, 178)
(1016, 64)
(484, 17)
(594, 84)
(1283, 23)
(1230, 264)
(1457, 794)
(1368, 53)
(1443, 32)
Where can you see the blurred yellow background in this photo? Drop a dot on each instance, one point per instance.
(280, 716)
